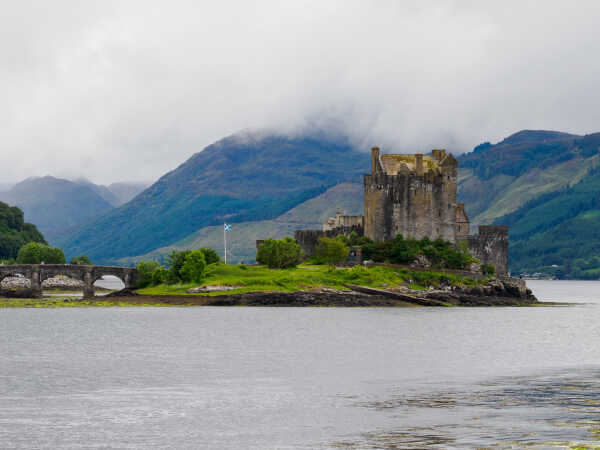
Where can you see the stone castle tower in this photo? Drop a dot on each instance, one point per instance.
(413, 195)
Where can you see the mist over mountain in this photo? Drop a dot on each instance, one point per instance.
(125, 191)
(268, 185)
(249, 176)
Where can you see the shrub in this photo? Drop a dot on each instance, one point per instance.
(279, 254)
(81, 260)
(210, 255)
(159, 276)
(36, 253)
(145, 271)
(175, 262)
(331, 251)
(404, 251)
(488, 269)
(194, 266)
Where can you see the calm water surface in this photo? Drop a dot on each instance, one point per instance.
(300, 378)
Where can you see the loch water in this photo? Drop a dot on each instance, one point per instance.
(303, 378)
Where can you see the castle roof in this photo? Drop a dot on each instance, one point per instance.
(392, 164)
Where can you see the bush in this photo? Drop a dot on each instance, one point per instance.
(159, 276)
(145, 271)
(331, 251)
(194, 267)
(36, 253)
(279, 254)
(81, 260)
(175, 262)
(442, 254)
(210, 255)
(488, 269)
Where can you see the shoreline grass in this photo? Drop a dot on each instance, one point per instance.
(261, 278)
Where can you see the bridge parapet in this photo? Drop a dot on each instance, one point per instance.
(88, 274)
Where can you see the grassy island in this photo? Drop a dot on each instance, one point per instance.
(308, 285)
(261, 278)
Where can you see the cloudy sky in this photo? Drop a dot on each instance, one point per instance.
(127, 90)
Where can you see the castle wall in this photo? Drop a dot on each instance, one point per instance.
(491, 247)
(415, 203)
(308, 239)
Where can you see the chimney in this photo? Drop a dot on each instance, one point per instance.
(419, 164)
(374, 159)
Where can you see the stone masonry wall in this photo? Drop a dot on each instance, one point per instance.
(491, 247)
(414, 203)
(308, 239)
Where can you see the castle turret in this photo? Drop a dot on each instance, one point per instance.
(375, 160)
(419, 164)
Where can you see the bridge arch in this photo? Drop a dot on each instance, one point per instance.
(37, 273)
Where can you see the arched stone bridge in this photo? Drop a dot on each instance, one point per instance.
(37, 273)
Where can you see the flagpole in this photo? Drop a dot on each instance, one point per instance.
(225, 241)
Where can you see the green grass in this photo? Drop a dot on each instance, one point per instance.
(261, 278)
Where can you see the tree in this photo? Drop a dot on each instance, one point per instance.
(145, 271)
(175, 262)
(331, 251)
(159, 276)
(36, 253)
(81, 260)
(279, 254)
(210, 255)
(194, 266)
(14, 232)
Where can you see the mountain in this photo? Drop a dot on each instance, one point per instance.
(246, 177)
(54, 205)
(540, 183)
(311, 214)
(125, 191)
(495, 180)
(546, 186)
(558, 233)
(103, 191)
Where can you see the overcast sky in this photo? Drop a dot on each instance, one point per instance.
(127, 90)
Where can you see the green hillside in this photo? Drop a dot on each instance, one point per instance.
(242, 178)
(242, 238)
(497, 179)
(558, 233)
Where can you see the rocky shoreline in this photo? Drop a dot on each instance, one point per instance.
(506, 292)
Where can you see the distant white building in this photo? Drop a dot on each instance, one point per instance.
(342, 221)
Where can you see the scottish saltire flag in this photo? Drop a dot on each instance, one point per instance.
(227, 227)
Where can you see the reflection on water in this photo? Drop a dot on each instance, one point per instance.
(553, 410)
(303, 378)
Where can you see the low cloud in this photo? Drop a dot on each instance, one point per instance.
(128, 90)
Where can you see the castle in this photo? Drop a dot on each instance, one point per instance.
(415, 195)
